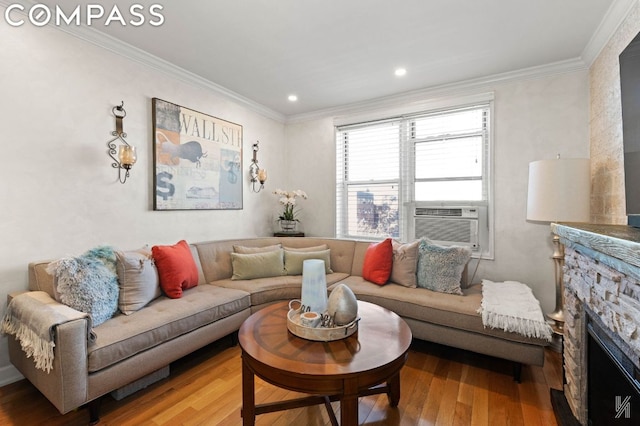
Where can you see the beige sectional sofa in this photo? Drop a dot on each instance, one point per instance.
(129, 347)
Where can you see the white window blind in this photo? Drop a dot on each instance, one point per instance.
(368, 179)
(431, 156)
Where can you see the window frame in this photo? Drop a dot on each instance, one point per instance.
(407, 179)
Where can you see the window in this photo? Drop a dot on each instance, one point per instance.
(385, 167)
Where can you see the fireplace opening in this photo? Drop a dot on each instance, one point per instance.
(613, 380)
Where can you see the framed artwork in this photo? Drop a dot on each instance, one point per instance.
(197, 160)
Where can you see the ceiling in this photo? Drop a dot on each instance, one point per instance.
(335, 53)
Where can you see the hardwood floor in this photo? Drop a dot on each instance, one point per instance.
(440, 386)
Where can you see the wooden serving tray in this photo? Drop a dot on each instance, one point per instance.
(319, 334)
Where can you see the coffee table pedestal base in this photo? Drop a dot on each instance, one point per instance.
(348, 400)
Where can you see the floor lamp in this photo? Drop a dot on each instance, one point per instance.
(559, 191)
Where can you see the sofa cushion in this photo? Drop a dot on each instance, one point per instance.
(440, 268)
(293, 260)
(215, 256)
(163, 319)
(267, 290)
(138, 280)
(341, 250)
(176, 267)
(456, 311)
(378, 261)
(257, 265)
(405, 263)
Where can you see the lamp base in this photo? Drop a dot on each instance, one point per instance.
(556, 322)
(557, 316)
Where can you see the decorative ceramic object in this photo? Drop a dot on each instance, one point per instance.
(342, 305)
(310, 319)
(314, 286)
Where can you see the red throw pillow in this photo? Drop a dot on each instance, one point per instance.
(176, 268)
(378, 261)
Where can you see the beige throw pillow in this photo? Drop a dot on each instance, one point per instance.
(293, 260)
(405, 263)
(313, 248)
(250, 250)
(257, 265)
(138, 281)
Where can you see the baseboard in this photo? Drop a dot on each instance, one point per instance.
(561, 409)
(9, 374)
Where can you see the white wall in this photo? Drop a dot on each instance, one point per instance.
(59, 194)
(311, 159)
(534, 119)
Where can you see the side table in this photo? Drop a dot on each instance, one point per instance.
(288, 234)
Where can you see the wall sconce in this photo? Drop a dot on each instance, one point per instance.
(257, 174)
(126, 153)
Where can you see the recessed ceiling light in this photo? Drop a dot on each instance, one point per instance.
(292, 98)
(399, 72)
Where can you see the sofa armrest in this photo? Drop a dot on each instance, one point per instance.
(66, 385)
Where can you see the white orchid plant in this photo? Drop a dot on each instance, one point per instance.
(288, 200)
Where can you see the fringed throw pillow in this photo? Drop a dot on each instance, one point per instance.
(88, 283)
(440, 268)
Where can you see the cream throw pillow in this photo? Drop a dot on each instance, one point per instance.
(257, 265)
(313, 248)
(138, 280)
(293, 260)
(250, 250)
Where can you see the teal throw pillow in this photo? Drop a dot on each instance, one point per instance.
(440, 268)
(88, 283)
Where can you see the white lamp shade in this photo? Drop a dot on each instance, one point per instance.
(559, 190)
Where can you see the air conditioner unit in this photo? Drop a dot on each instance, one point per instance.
(447, 225)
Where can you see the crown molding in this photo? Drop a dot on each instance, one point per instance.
(138, 55)
(100, 39)
(615, 16)
(420, 95)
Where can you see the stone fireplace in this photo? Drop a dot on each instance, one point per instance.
(602, 304)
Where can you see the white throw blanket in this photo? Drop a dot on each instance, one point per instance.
(511, 306)
(32, 318)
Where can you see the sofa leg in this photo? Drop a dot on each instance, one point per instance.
(94, 411)
(234, 338)
(517, 371)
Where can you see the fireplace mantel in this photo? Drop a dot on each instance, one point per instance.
(601, 279)
(613, 245)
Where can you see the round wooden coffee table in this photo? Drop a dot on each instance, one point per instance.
(365, 363)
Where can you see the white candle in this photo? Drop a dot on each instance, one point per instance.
(262, 175)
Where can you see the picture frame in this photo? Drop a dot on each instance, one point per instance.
(197, 160)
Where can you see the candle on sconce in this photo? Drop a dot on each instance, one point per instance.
(127, 155)
(262, 175)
